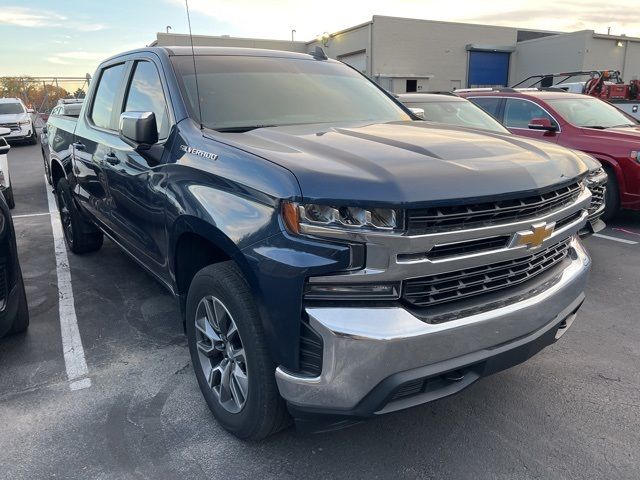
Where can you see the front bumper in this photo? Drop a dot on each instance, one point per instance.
(371, 354)
(23, 133)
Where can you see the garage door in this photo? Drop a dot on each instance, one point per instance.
(488, 69)
(356, 60)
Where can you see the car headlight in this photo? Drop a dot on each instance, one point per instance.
(24, 122)
(300, 218)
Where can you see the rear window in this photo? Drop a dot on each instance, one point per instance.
(11, 108)
(488, 104)
(110, 82)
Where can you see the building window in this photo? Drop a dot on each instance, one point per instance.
(412, 86)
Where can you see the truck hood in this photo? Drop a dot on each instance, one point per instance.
(13, 117)
(407, 162)
(630, 134)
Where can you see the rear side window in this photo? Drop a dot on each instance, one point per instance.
(146, 95)
(488, 104)
(518, 113)
(110, 82)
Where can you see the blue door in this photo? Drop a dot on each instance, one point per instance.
(488, 69)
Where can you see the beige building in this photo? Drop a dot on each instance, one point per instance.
(410, 55)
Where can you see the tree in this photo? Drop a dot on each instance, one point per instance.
(79, 93)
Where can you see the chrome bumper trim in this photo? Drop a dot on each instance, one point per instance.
(363, 346)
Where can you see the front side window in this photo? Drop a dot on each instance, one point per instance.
(146, 95)
(518, 113)
(591, 112)
(12, 108)
(110, 82)
(459, 112)
(239, 92)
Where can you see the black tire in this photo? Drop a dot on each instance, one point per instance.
(21, 323)
(33, 139)
(80, 234)
(264, 412)
(8, 196)
(612, 196)
(47, 170)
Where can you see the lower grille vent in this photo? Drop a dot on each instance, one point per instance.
(310, 351)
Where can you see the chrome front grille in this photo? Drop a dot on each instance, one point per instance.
(598, 191)
(476, 215)
(12, 126)
(461, 284)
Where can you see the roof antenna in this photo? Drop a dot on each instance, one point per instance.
(319, 54)
(195, 72)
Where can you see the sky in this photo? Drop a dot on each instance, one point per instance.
(70, 37)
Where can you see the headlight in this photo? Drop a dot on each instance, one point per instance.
(300, 217)
(24, 122)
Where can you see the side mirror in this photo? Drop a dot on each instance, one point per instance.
(542, 124)
(139, 129)
(418, 112)
(45, 130)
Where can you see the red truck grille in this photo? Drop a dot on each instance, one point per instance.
(447, 218)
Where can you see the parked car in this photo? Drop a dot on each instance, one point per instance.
(14, 311)
(576, 121)
(333, 258)
(17, 118)
(68, 108)
(451, 109)
(5, 178)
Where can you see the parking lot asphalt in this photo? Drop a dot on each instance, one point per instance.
(571, 412)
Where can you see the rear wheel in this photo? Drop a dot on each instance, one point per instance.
(612, 196)
(80, 234)
(232, 365)
(21, 323)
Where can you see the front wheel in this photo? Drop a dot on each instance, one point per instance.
(612, 196)
(80, 234)
(33, 139)
(8, 196)
(232, 365)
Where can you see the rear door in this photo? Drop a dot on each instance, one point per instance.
(492, 105)
(136, 180)
(95, 135)
(518, 113)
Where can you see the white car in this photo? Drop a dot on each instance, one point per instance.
(15, 116)
(5, 180)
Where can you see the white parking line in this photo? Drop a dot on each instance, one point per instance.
(621, 240)
(31, 215)
(74, 360)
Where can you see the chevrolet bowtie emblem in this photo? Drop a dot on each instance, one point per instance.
(535, 237)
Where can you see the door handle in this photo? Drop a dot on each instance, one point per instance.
(78, 146)
(111, 159)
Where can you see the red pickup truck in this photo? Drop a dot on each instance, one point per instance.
(575, 121)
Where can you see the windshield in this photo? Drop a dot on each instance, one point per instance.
(591, 112)
(461, 113)
(11, 108)
(243, 91)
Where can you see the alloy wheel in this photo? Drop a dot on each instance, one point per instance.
(221, 354)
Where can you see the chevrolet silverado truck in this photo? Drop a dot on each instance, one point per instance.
(334, 258)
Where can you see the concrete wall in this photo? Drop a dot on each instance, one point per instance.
(347, 42)
(558, 53)
(603, 52)
(182, 40)
(422, 48)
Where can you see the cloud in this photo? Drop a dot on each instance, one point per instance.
(276, 18)
(37, 18)
(72, 58)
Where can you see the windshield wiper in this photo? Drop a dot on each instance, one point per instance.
(624, 125)
(242, 129)
(597, 127)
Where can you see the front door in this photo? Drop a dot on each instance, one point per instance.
(136, 180)
(519, 112)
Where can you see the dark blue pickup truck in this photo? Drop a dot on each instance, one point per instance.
(334, 258)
